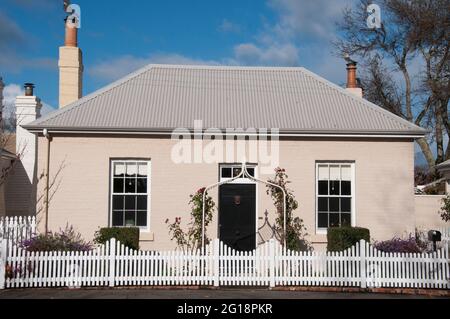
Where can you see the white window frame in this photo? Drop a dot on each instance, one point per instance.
(323, 231)
(143, 229)
(239, 180)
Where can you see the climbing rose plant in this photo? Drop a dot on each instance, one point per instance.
(295, 229)
(191, 239)
(445, 210)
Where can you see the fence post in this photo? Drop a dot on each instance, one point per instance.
(362, 254)
(216, 262)
(446, 258)
(272, 263)
(2, 262)
(112, 261)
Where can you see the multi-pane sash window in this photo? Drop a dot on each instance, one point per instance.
(130, 193)
(334, 194)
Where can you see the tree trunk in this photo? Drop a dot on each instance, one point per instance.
(445, 122)
(439, 137)
(426, 150)
(447, 152)
(408, 106)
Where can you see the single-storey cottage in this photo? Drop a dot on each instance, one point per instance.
(131, 153)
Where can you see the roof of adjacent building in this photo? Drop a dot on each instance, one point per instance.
(160, 98)
(7, 154)
(444, 166)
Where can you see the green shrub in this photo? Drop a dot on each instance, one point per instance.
(128, 236)
(445, 210)
(340, 239)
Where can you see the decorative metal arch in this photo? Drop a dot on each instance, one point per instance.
(243, 174)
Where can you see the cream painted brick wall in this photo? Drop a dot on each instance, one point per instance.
(426, 209)
(384, 182)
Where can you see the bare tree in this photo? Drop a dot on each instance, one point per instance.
(8, 164)
(53, 187)
(412, 33)
(10, 123)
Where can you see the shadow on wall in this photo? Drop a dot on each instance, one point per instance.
(19, 193)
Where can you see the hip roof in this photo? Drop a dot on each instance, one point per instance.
(165, 97)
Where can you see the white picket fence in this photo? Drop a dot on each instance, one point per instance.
(445, 232)
(17, 228)
(269, 265)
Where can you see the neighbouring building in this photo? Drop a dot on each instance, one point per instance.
(19, 152)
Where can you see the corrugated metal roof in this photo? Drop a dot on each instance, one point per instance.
(164, 97)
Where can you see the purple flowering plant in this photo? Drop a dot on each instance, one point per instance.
(67, 239)
(412, 244)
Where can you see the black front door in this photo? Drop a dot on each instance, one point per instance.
(237, 216)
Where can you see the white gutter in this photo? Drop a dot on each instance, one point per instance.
(237, 134)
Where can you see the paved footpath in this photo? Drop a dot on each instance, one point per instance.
(188, 294)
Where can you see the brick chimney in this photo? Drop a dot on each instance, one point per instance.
(70, 67)
(353, 85)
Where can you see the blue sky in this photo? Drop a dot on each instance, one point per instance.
(118, 37)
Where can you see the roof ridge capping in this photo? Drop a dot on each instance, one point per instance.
(225, 67)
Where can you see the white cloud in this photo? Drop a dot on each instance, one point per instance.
(10, 93)
(275, 54)
(297, 21)
(118, 67)
(244, 54)
(300, 35)
(229, 27)
(307, 18)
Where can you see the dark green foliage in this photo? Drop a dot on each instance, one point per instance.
(340, 239)
(295, 229)
(128, 236)
(445, 210)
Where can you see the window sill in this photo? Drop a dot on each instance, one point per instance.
(325, 231)
(147, 236)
